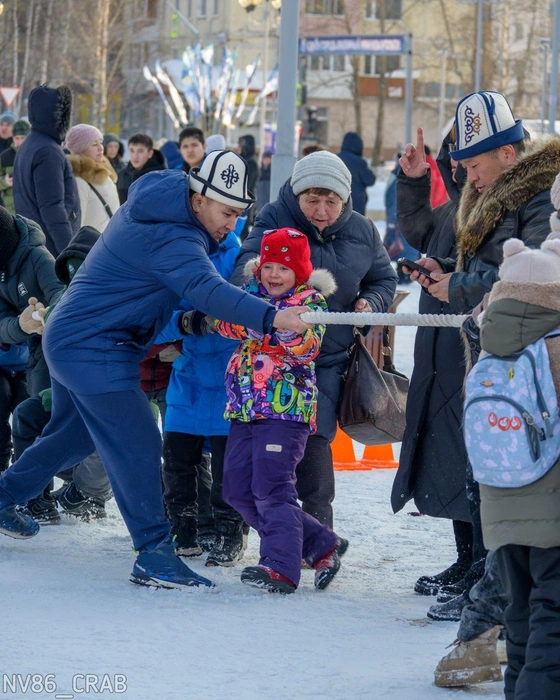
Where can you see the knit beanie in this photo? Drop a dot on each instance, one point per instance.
(7, 118)
(215, 142)
(484, 121)
(322, 170)
(82, 136)
(540, 265)
(9, 237)
(21, 128)
(287, 247)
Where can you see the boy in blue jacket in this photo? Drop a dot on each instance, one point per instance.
(153, 253)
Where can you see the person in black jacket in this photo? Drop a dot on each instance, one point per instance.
(316, 200)
(246, 149)
(507, 195)
(351, 154)
(26, 274)
(144, 158)
(433, 461)
(113, 150)
(44, 186)
(7, 120)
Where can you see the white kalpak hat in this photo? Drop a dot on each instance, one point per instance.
(484, 121)
(222, 177)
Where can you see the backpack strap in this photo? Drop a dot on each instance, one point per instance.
(103, 202)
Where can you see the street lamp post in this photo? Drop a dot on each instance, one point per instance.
(442, 88)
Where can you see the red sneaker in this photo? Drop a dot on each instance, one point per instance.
(327, 566)
(267, 579)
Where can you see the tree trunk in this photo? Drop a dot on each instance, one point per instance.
(16, 43)
(355, 79)
(101, 52)
(47, 42)
(26, 52)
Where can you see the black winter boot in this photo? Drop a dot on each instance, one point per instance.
(228, 549)
(450, 611)
(43, 509)
(430, 585)
(184, 530)
(473, 575)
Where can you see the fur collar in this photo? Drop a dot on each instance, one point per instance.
(534, 293)
(321, 280)
(479, 214)
(91, 171)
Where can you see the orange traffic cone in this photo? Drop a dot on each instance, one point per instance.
(379, 457)
(344, 458)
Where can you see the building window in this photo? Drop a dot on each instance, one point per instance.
(518, 31)
(151, 10)
(189, 8)
(324, 7)
(216, 8)
(202, 8)
(393, 9)
(339, 63)
(375, 65)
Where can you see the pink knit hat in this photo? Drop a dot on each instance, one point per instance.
(82, 136)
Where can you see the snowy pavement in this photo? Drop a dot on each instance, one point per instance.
(68, 611)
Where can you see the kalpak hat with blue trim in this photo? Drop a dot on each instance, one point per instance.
(484, 121)
(222, 177)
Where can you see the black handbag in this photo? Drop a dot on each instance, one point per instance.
(373, 405)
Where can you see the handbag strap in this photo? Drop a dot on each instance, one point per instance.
(387, 352)
(103, 202)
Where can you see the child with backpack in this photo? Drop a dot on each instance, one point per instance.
(512, 433)
(272, 403)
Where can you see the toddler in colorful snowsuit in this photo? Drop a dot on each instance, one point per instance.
(270, 383)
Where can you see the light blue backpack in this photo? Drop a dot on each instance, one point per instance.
(511, 421)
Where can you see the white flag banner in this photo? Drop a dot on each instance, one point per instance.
(250, 72)
(270, 86)
(166, 106)
(166, 80)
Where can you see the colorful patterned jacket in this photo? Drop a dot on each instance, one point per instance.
(273, 376)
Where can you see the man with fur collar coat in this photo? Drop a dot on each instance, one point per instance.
(507, 196)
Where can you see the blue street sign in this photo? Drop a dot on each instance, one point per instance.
(381, 44)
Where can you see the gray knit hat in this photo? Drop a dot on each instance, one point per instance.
(322, 169)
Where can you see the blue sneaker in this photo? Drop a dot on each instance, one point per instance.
(162, 568)
(16, 524)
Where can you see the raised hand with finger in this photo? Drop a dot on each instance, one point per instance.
(413, 160)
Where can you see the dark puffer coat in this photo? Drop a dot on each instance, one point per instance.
(433, 460)
(352, 251)
(362, 176)
(44, 187)
(29, 273)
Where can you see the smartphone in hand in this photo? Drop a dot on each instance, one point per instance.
(405, 262)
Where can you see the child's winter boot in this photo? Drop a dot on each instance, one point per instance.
(184, 530)
(327, 566)
(471, 662)
(267, 579)
(228, 548)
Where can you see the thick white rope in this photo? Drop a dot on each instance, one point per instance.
(376, 319)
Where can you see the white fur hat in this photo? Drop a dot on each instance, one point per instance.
(222, 177)
(522, 264)
(484, 121)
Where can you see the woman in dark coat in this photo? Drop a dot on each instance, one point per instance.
(433, 459)
(316, 200)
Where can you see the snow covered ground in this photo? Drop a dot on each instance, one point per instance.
(68, 611)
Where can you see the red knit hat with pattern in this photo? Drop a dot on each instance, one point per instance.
(288, 247)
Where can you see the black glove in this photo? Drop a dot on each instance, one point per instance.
(196, 323)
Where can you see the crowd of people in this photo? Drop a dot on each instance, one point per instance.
(128, 291)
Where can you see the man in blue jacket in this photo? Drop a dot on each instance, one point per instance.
(153, 253)
(44, 186)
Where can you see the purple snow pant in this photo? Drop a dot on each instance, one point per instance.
(260, 483)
